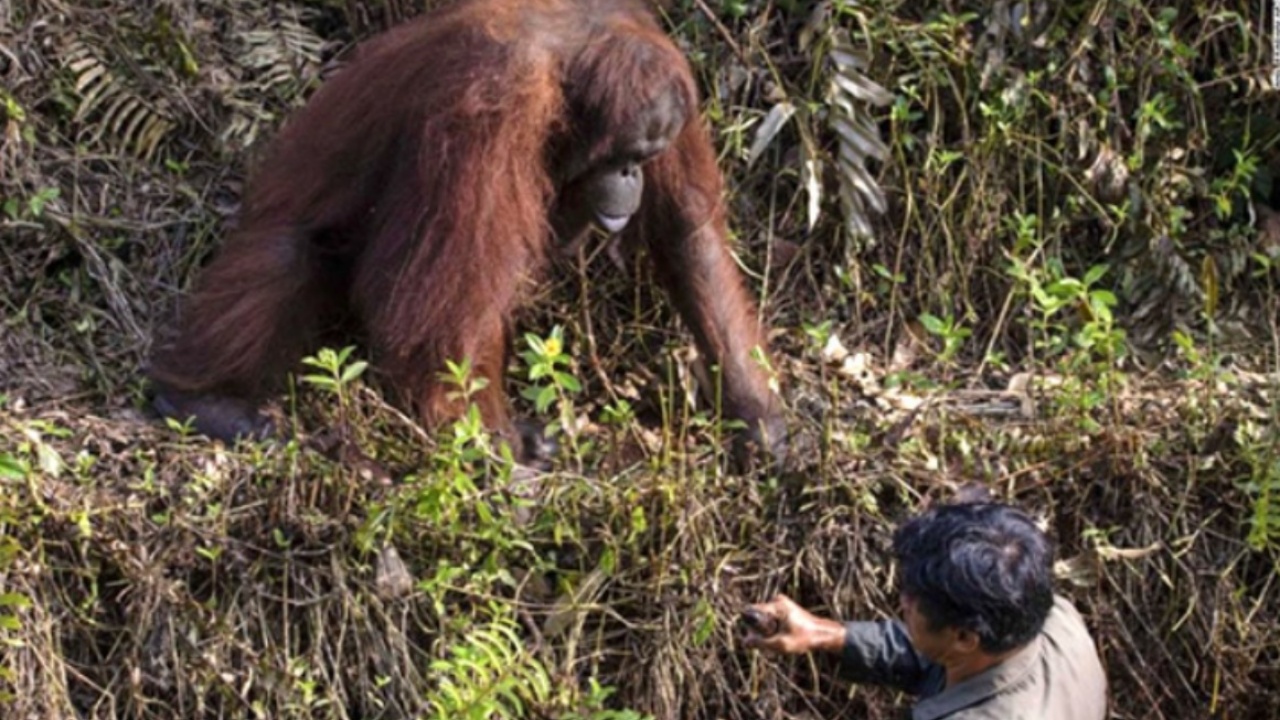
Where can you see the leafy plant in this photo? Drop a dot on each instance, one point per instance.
(1259, 447)
(34, 206)
(1092, 333)
(592, 705)
(488, 675)
(337, 374)
(952, 333)
(547, 367)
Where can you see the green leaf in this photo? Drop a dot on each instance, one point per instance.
(15, 600)
(639, 523)
(932, 324)
(545, 398)
(49, 460)
(39, 200)
(1209, 280)
(353, 371)
(1106, 297)
(1095, 274)
(1065, 287)
(608, 561)
(535, 344)
(706, 623)
(11, 468)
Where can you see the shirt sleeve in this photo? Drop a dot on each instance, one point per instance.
(880, 653)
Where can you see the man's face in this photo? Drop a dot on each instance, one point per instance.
(937, 645)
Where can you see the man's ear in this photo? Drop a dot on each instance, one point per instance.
(966, 641)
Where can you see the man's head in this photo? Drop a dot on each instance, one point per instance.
(979, 574)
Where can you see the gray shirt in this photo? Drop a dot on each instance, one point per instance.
(1057, 676)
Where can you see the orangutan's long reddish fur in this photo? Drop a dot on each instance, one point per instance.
(411, 198)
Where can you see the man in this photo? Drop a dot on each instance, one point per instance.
(982, 634)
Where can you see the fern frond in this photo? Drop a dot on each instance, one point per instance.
(856, 135)
(489, 675)
(110, 107)
(282, 54)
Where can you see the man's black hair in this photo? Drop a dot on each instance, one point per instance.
(983, 567)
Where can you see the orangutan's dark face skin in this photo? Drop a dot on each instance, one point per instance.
(607, 193)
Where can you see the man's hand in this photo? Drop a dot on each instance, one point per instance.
(794, 629)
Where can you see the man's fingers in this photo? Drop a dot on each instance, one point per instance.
(761, 620)
(766, 626)
(755, 641)
(776, 645)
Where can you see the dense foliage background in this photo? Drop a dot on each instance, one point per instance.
(1031, 246)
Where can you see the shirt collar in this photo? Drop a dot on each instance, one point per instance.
(988, 683)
